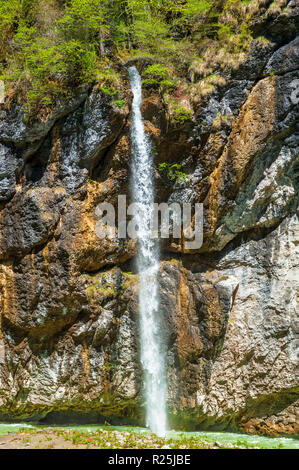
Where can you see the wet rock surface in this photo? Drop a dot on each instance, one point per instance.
(69, 341)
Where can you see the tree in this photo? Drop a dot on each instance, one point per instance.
(85, 20)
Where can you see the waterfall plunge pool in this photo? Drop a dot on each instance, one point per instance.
(243, 440)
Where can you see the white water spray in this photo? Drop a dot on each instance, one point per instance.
(152, 350)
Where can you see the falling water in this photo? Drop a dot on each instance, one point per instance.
(152, 352)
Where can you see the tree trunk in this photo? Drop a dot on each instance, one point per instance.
(101, 44)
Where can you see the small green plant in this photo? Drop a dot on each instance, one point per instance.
(108, 366)
(120, 103)
(202, 362)
(157, 76)
(180, 113)
(90, 180)
(108, 91)
(173, 171)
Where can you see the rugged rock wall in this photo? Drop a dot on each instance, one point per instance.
(69, 315)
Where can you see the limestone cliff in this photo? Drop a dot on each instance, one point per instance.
(68, 311)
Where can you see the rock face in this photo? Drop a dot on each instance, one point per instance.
(69, 346)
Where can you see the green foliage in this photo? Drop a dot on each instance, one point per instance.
(82, 19)
(180, 113)
(108, 91)
(196, 7)
(120, 103)
(78, 61)
(50, 47)
(235, 25)
(108, 79)
(49, 66)
(158, 77)
(108, 366)
(150, 33)
(154, 74)
(157, 71)
(10, 12)
(172, 171)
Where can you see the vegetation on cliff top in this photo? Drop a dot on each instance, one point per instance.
(49, 48)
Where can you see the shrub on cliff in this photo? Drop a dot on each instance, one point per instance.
(157, 77)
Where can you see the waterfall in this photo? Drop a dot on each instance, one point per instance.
(151, 343)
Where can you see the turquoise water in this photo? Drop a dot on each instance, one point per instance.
(241, 439)
(211, 437)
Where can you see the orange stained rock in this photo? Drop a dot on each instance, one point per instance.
(253, 126)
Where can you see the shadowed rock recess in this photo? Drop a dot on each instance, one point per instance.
(69, 346)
